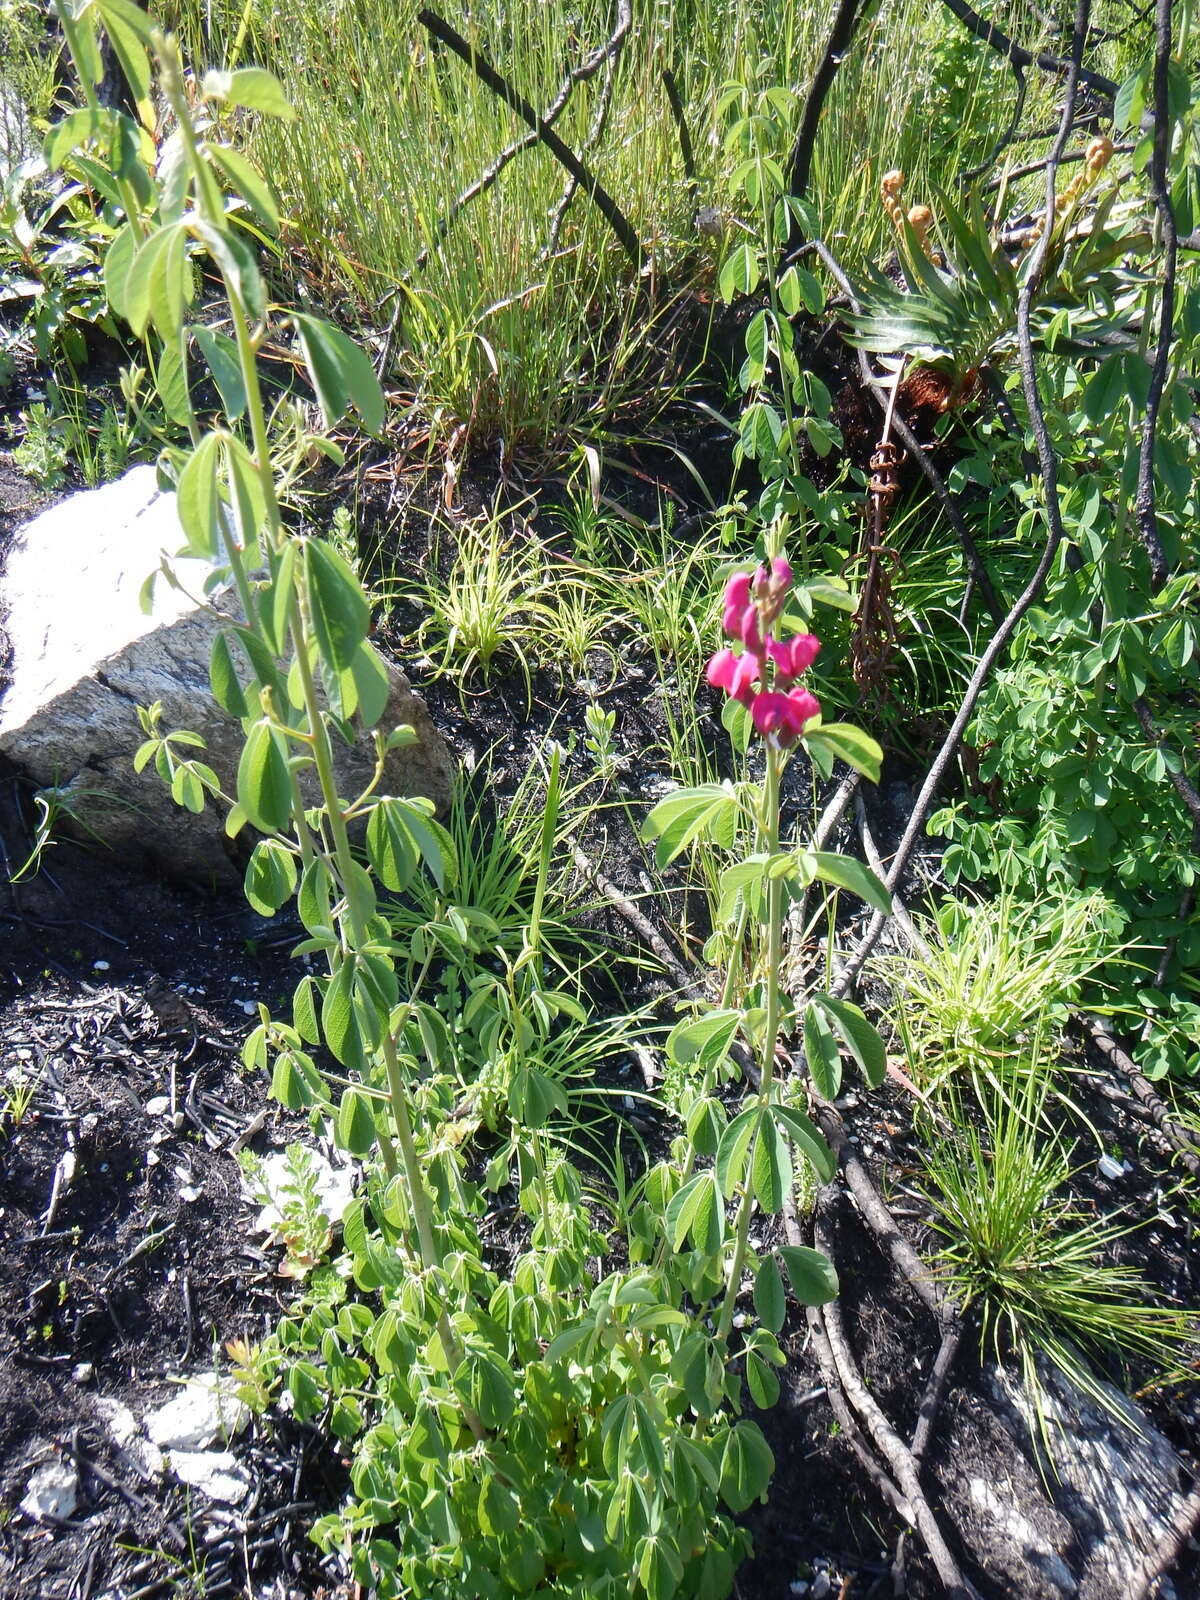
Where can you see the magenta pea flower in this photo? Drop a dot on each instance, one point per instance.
(793, 656)
(782, 717)
(762, 676)
(737, 675)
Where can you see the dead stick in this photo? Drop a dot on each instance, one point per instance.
(890, 1445)
(640, 922)
(499, 85)
(1184, 1144)
(833, 1389)
(1019, 56)
(916, 1272)
(935, 1389)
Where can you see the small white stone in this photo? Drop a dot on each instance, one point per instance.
(1111, 1169)
(798, 1587)
(216, 1473)
(189, 1193)
(158, 1106)
(250, 1007)
(52, 1492)
(100, 966)
(821, 1587)
(84, 1372)
(206, 1409)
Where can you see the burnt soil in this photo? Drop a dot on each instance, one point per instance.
(117, 990)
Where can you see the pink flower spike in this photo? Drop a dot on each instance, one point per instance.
(737, 598)
(794, 656)
(781, 573)
(748, 630)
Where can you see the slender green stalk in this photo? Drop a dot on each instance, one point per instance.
(770, 835)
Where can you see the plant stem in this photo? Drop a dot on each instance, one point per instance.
(770, 836)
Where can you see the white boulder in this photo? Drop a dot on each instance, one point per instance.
(82, 656)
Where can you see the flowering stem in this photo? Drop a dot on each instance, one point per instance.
(774, 918)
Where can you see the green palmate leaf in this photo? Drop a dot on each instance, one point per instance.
(187, 789)
(315, 900)
(486, 1384)
(355, 1126)
(533, 1098)
(248, 498)
(252, 87)
(220, 352)
(769, 1298)
(771, 1174)
(746, 1467)
(337, 606)
(247, 181)
(733, 1149)
(847, 873)
(341, 373)
(171, 381)
(391, 848)
(857, 1034)
(811, 1275)
(198, 501)
(138, 290)
(275, 607)
(373, 686)
(740, 272)
(745, 880)
(290, 1084)
(659, 1566)
(499, 1508)
(761, 1381)
(264, 781)
(340, 1018)
(706, 1122)
(807, 1138)
(118, 263)
(75, 130)
(689, 814)
(704, 1041)
(697, 1212)
(222, 674)
(822, 1054)
(235, 260)
(841, 741)
(270, 876)
(304, 1010)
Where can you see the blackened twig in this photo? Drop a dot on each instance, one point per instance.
(1147, 518)
(1019, 56)
(1031, 167)
(931, 1400)
(1180, 782)
(1183, 1143)
(686, 154)
(846, 19)
(512, 97)
(1009, 136)
(612, 52)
